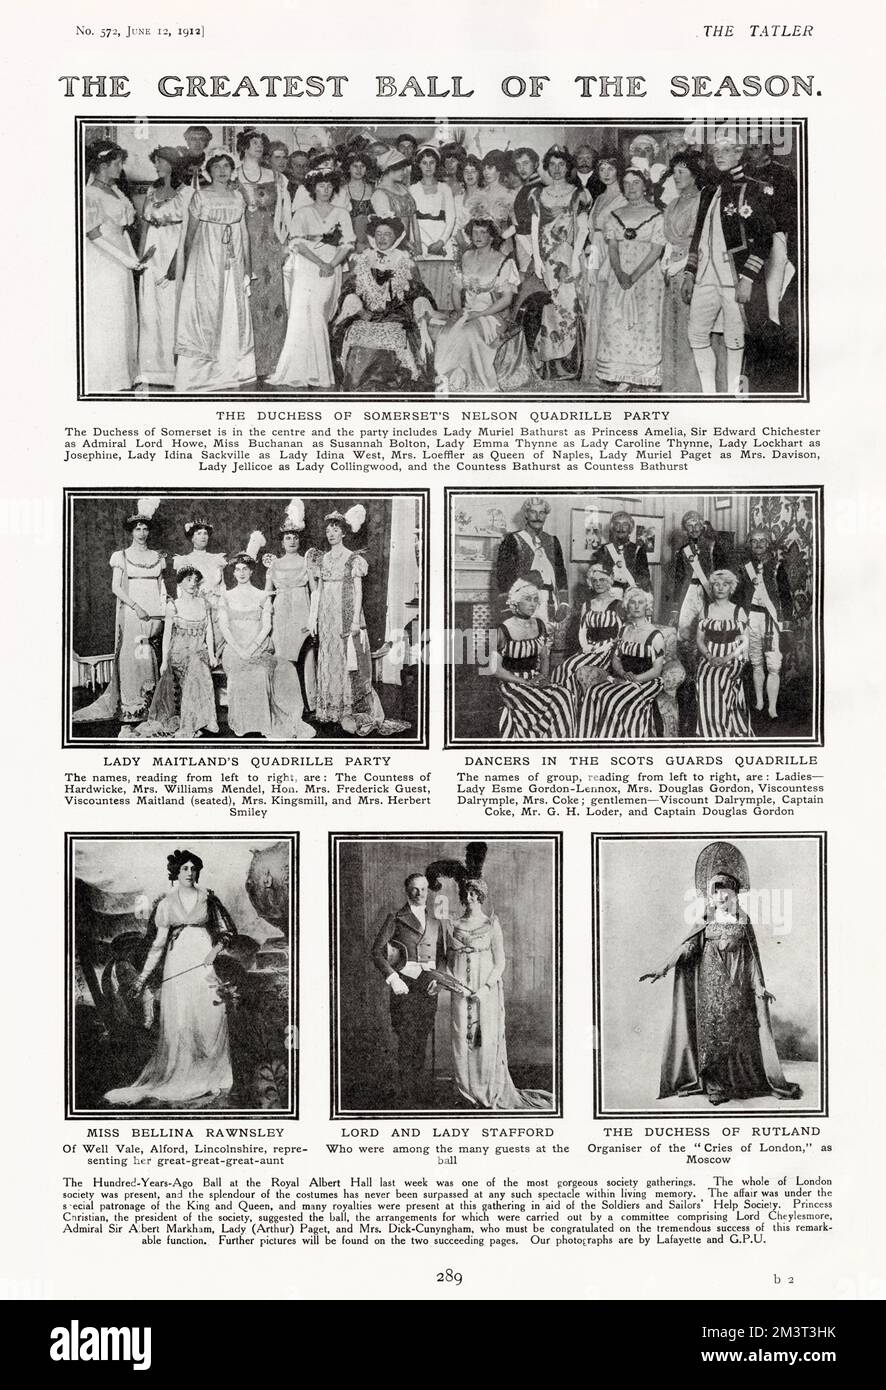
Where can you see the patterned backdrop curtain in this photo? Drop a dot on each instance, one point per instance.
(97, 531)
(790, 521)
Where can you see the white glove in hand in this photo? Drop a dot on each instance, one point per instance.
(397, 985)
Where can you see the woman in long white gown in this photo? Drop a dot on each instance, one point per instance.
(214, 343)
(110, 319)
(164, 214)
(191, 1061)
(137, 585)
(321, 239)
(476, 957)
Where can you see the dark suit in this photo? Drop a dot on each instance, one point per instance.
(412, 1014)
(515, 560)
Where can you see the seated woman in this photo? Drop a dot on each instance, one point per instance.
(264, 696)
(531, 706)
(379, 341)
(476, 957)
(623, 706)
(289, 579)
(211, 566)
(599, 627)
(184, 700)
(723, 642)
(466, 354)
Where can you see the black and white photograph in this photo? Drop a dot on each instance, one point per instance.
(710, 975)
(181, 961)
(446, 975)
(650, 618)
(456, 260)
(253, 616)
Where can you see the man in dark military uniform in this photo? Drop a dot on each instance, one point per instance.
(730, 245)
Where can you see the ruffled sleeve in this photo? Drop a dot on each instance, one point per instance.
(173, 210)
(359, 567)
(313, 560)
(118, 560)
(507, 281)
(656, 644)
(741, 618)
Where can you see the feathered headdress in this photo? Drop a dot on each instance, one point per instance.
(254, 544)
(249, 556)
(294, 516)
(353, 518)
(457, 869)
(145, 508)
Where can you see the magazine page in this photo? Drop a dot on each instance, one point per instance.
(443, 670)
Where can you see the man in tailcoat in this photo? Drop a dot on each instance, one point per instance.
(412, 941)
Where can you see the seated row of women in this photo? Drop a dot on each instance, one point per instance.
(359, 278)
(293, 651)
(620, 681)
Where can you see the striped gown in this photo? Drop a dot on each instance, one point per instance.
(722, 706)
(598, 632)
(528, 712)
(620, 709)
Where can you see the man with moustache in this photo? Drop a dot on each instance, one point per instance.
(411, 942)
(532, 552)
(626, 560)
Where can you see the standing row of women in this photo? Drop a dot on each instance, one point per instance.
(240, 273)
(294, 651)
(610, 687)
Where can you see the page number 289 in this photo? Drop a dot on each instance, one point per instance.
(448, 1276)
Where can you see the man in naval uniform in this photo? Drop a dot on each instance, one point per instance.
(531, 551)
(730, 244)
(626, 560)
(765, 594)
(415, 939)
